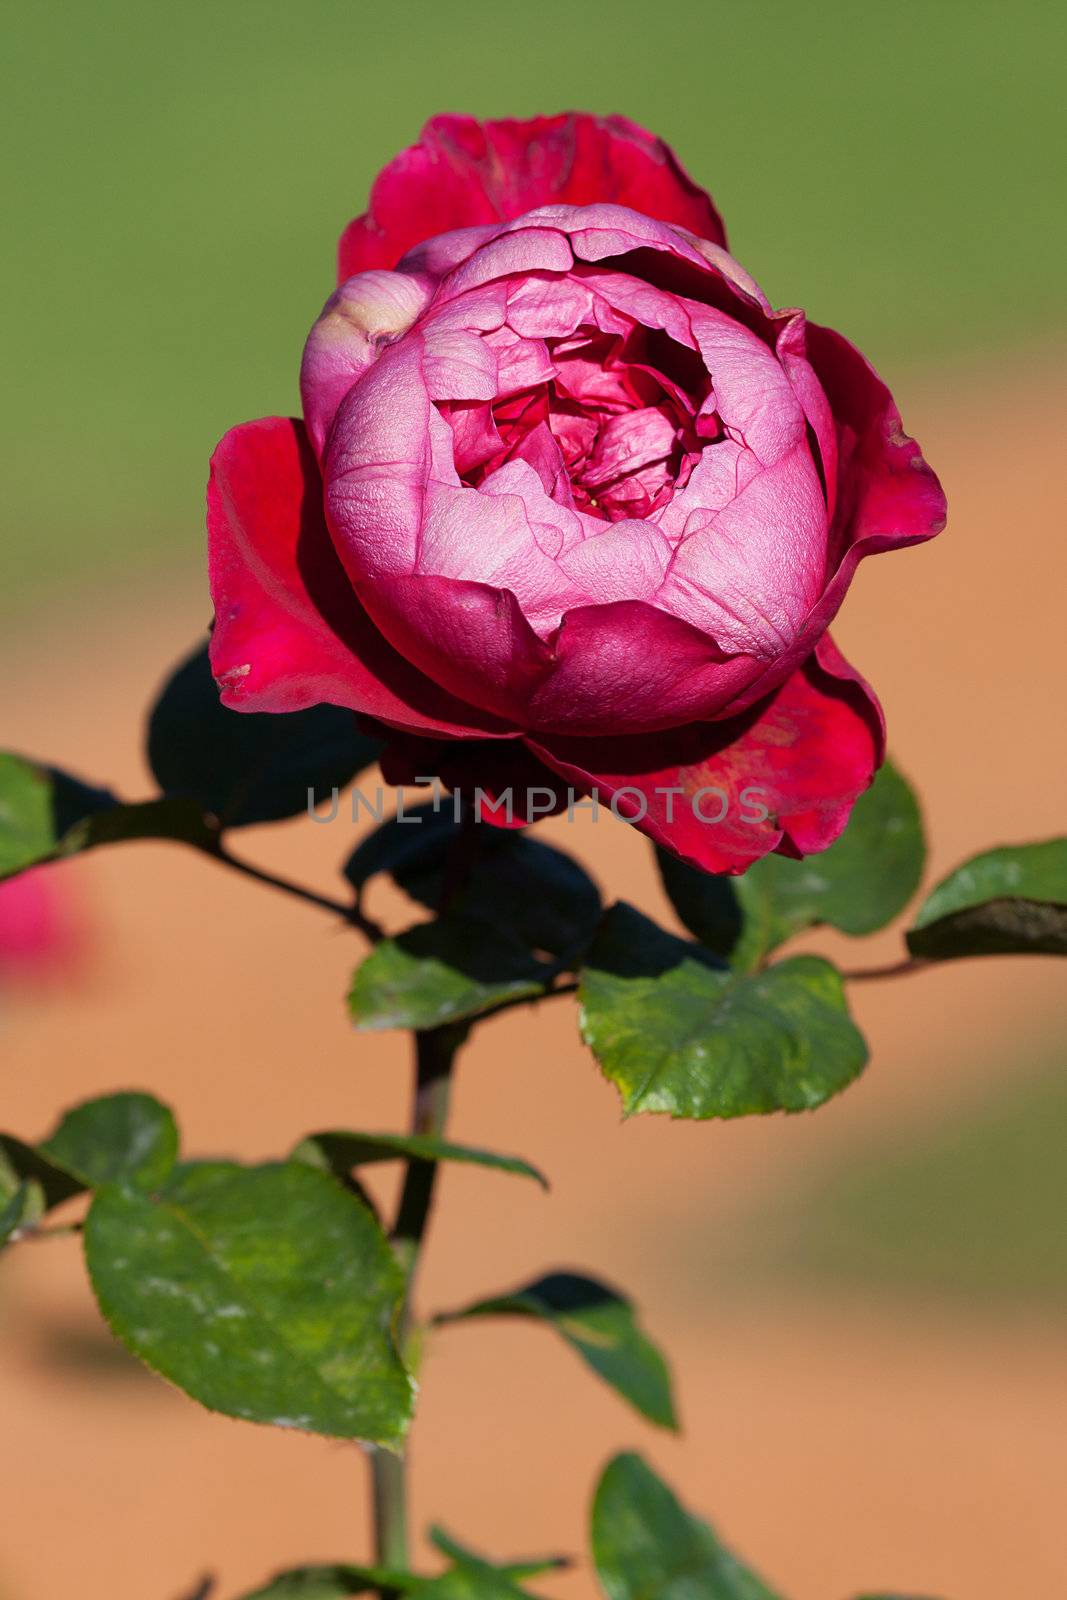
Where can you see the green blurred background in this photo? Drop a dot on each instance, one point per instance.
(179, 175)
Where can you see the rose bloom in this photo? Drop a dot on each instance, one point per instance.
(571, 507)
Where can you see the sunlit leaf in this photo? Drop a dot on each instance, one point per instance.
(677, 1033)
(339, 1152)
(442, 971)
(646, 1546)
(1010, 901)
(46, 814)
(601, 1326)
(118, 1136)
(268, 1293)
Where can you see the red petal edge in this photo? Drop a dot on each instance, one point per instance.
(804, 755)
(462, 172)
(289, 631)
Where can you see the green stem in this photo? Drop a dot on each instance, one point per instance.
(435, 1052)
(895, 969)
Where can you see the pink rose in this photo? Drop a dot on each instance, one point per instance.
(571, 506)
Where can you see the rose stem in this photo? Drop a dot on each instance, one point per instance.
(435, 1052)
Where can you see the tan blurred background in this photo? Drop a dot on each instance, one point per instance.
(866, 1308)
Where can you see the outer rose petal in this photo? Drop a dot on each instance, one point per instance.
(887, 495)
(460, 633)
(462, 173)
(633, 667)
(808, 752)
(289, 632)
(362, 316)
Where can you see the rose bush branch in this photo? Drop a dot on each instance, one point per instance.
(569, 510)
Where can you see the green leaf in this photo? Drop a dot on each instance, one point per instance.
(1010, 901)
(339, 1152)
(538, 894)
(245, 767)
(267, 1293)
(443, 971)
(858, 885)
(21, 1163)
(405, 848)
(118, 1136)
(470, 1577)
(516, 1570)
(646, 1546)
(46, 814)
(677, 1033)
(328, 1583)
(598, 1323)
(22, 1208)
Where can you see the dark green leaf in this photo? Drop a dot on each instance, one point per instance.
(442, 971)
(244, 767)
(267, 1293)
(646, 1546)
(538, 894)
(328, 1583)
(1011, 901)
(600, 1324)
(119, 1136)
(45, 815)
(678, 1034)
(858, 885)
(338, 1153)
(468, 1578)
(405, 848)
(21, 1162)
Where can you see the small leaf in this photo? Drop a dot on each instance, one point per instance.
(119, 1136)
(1010, 901)
(443, 971)
(267, 1293)
(600, 1324)
(646, 1546)
(45, 815)
(679, 1034)
(21, 1162)
(328, 1583)
(538, 894)
(858, 885)
(244, 767)
(22, 1208)
(339, 1152)
(516, 1570)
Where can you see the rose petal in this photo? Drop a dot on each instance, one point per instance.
(361, 317)
(463, 173)
(462, 633)
(805, 755)
(631, 666)
(751, 574)
(289, 632)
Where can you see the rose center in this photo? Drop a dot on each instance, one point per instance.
(611, 423)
